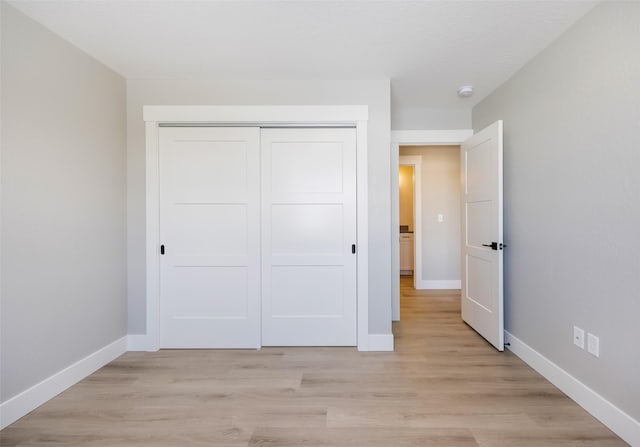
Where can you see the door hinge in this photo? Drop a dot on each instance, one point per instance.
(162, 249)
(353, 248)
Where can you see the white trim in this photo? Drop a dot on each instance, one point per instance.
(613, 417)
(153, 235)
(416, 162)
(257, 115)
(431, 284)
(395, 233)
(362, 236)
(380, 342)
(30, 399)
(399, 138)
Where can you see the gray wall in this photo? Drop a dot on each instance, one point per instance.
(440, 195)
(416, 118)
(63, 204)
(375, 94)
(572, 199)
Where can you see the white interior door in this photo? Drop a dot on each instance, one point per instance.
(482, 243)
(308, 229)
(210, 236)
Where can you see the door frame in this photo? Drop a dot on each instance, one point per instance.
(255, 116)
(453, 137)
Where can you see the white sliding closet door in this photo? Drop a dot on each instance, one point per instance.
(210, 230)
(308, 228)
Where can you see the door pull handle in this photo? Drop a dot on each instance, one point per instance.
(495, 246)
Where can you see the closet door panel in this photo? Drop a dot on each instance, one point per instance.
(210, 230)
(308, 228)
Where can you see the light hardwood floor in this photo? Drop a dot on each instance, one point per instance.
(443, 386)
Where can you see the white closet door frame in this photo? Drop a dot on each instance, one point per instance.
(260, 116)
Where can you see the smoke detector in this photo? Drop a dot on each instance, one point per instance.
(465, 91)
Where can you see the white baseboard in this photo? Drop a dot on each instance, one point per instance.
(426, 284)
(138, 342)
(380, 342)
(613, 417)
(377, 342)
(30, 399)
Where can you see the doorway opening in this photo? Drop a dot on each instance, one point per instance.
(407, 186)
(429, 216)
(436, 233)
(410, 217)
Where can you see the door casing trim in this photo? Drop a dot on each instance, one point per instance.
(299, 116)
(453, 137)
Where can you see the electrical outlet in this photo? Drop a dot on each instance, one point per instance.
(593, 345)
(578, 337)
(440, 217)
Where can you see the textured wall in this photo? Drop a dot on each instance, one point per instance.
(63, 204)
(572, 199)
(375, 94)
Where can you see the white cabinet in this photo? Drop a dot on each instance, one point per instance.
(406, 253)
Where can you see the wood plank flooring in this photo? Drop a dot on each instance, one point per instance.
(443, 386)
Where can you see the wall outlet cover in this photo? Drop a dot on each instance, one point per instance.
(578, 337)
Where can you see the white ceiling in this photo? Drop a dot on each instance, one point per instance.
(427, 48)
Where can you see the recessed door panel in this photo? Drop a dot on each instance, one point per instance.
(306, 167)
(205, 170)
(307, 229)
(317, 291)
(480, 160)
(199, 291)
(479, 281)
(208, 229)
(478, 222)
